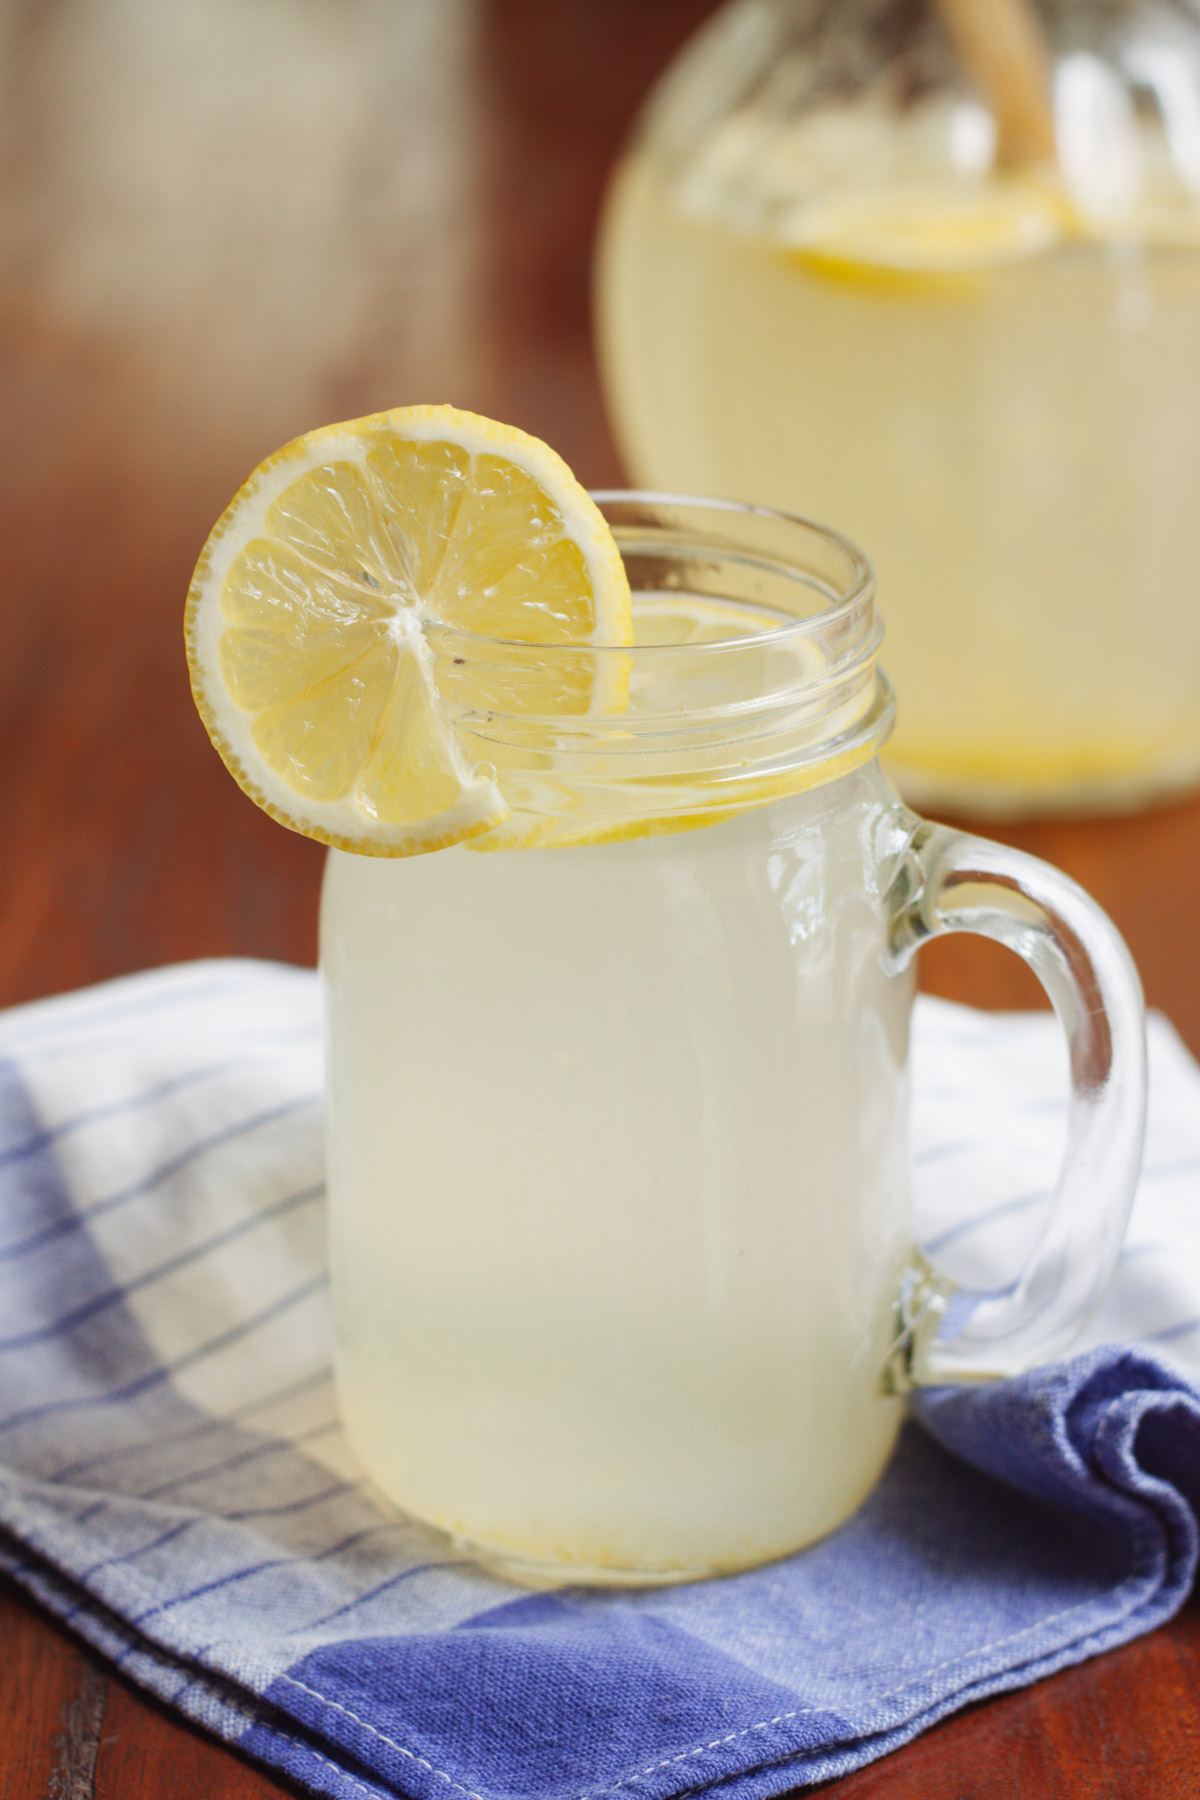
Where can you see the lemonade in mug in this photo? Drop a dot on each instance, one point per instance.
(624, 1278)
(819, 288)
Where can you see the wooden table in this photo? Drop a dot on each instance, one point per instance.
(221, 224)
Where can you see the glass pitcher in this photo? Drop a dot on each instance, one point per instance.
(624, 1276)
(858, 265)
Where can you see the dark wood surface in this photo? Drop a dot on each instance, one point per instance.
(220, 225)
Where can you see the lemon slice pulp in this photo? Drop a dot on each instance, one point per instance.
(307, 618)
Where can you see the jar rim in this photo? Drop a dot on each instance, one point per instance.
(616, 738)
(856, 586)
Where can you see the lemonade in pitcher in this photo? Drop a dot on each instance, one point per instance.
(820, 288)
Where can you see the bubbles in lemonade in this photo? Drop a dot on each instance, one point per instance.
(1001, 401)
(611, 1325)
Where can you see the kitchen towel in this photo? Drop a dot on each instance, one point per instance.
(174, 1485)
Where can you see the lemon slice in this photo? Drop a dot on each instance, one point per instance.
(682, 618)
(308, 617)
(909, 234)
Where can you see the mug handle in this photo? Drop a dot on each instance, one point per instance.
(950, 881)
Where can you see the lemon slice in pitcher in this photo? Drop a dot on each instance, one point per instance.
(920, 236)
(308, 612)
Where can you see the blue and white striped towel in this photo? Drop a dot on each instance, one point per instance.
(174, 1485)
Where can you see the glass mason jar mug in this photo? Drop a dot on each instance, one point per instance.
(624, 1275)
(866, 260)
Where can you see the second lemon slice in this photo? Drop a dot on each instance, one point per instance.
(309, 608)
(906, 237)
